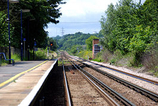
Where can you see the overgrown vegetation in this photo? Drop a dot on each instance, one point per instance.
(38, 55)
(89, 42)
(130, 33)
(85, 54)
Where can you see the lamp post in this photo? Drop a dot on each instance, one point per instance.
(11, 1)
(29, 20)
(26, 10)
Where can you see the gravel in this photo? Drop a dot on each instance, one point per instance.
(131, 95)
(82, 93)
(146, 85)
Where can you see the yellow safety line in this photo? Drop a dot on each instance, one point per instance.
(16, 76)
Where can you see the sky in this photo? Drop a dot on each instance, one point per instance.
(80, 16)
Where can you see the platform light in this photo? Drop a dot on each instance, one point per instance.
(22, 10)
(10, 1)
(13, 1)
(25, 10)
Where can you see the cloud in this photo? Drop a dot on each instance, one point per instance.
(81, 15)
(75, 8)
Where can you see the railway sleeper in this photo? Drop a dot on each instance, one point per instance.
(125, 83)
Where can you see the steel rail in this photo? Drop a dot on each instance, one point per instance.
(107, 88)
(137, 88)
(67, 88)
(126, 73)
(114, 93)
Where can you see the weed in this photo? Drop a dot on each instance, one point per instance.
(60, 63)
(98, 60)
(156, 74)
(14, 81)
(113, 61)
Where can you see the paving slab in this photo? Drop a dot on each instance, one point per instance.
(16, 91)
(6, 72)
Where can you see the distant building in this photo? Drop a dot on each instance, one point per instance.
(95, 48)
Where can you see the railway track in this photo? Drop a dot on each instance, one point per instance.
(123, 72)
(139, 89)
(82, 92)
(102, 88)
(146, 94)
(68, 96)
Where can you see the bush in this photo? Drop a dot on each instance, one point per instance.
(85, 54)
(40, 54)
(150, 59)
(16, 57)
(106, 55)
(113, 61)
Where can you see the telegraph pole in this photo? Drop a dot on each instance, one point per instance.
(62, 31)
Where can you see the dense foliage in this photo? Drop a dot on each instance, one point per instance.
(34, 22)
(130, 26)
(3, 30)
(74, 42)
(89, 42)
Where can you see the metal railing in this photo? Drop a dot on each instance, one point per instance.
(3, 54)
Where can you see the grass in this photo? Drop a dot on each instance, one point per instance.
(60, 63)
(16, 57)
(40, 54)
(3, 64)
(98, 60)
(126, 60)
(64, 62)
(155, 73)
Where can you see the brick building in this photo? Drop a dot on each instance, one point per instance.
(95, 47)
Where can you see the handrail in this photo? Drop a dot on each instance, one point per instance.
(7, 59)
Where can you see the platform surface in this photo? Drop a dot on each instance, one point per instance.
(9, 71)
(11, 94)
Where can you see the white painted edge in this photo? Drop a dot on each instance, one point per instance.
(28, 99)
(67, 88)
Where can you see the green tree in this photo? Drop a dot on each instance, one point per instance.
(130, 27)
(140, 40)
(3, 30)
(89, 42)
(41, 13)
(67, 41)
(76, 49)
(119, 24)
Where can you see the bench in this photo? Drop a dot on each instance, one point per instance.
(1, 53)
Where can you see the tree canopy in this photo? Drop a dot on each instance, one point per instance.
(41, 13)
(130, 26)
(89, 42)
(74, 41)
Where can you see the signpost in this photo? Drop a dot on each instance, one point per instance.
(24, 46)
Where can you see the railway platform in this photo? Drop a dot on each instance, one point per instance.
(19, 84)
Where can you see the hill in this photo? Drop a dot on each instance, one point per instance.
(67, 41)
